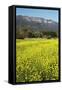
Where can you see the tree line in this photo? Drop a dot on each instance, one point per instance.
(26, 33)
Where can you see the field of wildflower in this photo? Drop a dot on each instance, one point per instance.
(36, 59)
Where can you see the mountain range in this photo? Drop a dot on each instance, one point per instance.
(36, 23)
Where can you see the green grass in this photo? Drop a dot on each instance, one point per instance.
(36, 60)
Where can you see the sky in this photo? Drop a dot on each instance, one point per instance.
(43, 13)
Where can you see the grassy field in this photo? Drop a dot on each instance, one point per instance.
(36, 60)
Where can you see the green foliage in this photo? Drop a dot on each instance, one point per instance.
(36, 60)
(28, 33)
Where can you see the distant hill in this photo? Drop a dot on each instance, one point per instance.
(36, 23)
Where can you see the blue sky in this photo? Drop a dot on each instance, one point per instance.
(44, 13)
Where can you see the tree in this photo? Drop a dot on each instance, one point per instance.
(41, 34)
(30, 34)
(49, 37)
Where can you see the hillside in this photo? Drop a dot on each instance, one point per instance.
(36, 23)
